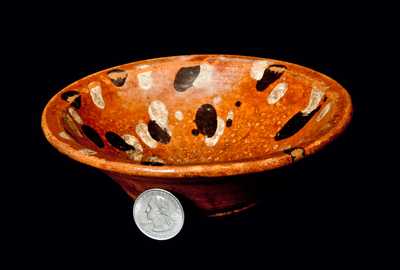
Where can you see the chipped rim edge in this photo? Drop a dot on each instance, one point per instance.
(269, 162)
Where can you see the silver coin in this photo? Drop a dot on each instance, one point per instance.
(158, 214)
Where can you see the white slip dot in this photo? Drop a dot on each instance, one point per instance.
(179, 115)
(70, 125)
(72, 98)
(155, 159)
(211, 141)
(315, 98)
(258, 68)
(143, 132)
(64, 135)
(217, 100)
(205, 76)
(158, 112)
(87, 152)
(96, 95)
(145, 80)
(117, 77)
(137, 153)
(144, 66)
(74, 114)
(134, 155)
(133, 141)
(324, 111)
(230, 115)
(277, 93)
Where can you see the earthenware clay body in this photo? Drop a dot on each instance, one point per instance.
(185, 123)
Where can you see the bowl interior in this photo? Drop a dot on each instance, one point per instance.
(196, 109)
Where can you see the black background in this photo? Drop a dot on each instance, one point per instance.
(319, 209)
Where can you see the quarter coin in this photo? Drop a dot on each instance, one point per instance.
(158, 214)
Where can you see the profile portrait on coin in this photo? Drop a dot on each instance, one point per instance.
(158, 215)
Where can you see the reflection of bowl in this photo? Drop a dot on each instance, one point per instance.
(186, 123)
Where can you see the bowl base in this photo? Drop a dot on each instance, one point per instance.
(222, 213)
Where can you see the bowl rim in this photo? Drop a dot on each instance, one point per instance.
(207, 170)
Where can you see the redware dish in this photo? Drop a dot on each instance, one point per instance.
(188, 124)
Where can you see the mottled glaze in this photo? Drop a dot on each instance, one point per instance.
(184, 123)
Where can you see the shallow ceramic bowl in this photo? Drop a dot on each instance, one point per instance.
(189, 123)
